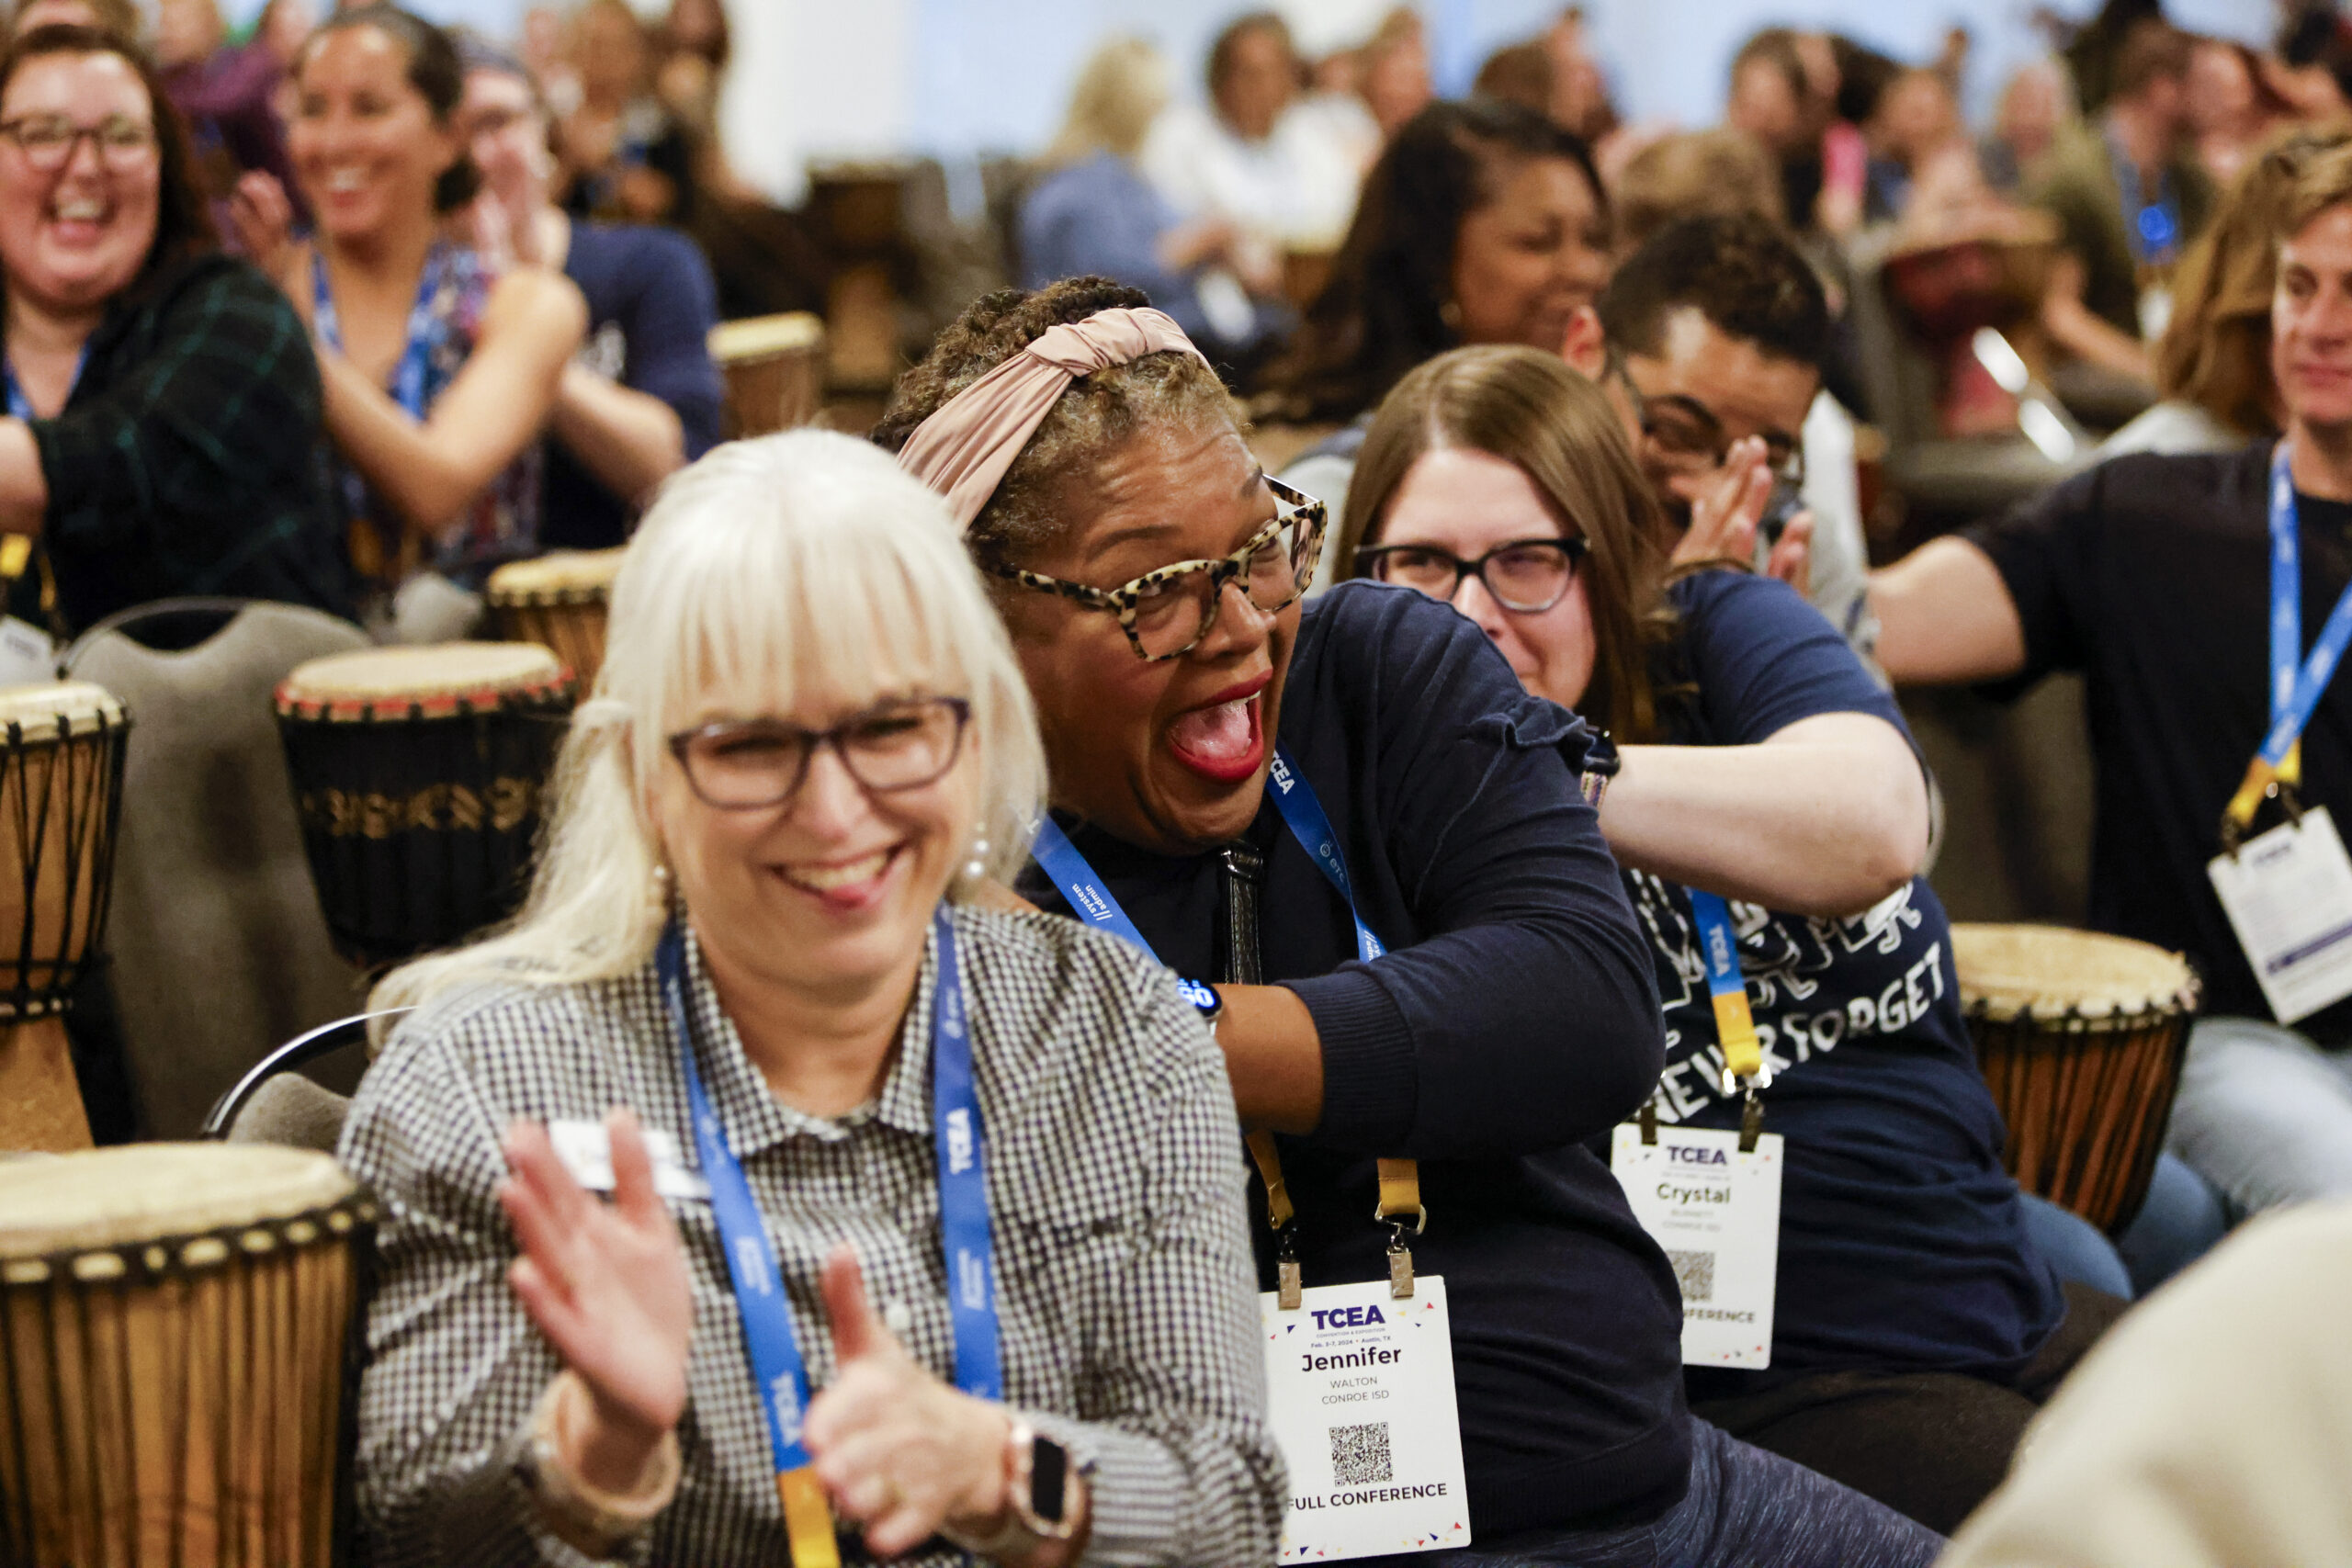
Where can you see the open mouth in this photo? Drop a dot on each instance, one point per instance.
(80, 215)
(847, 884)
(1224, 738)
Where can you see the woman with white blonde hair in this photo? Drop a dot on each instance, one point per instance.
(846, 1086)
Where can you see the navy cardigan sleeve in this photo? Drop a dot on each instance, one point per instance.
(1517, 1009)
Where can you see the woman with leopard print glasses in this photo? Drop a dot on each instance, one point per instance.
(1424, 976)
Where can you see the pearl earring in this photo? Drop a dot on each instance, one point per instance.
(977, 867)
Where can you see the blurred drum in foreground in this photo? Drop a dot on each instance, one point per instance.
(175, 1358)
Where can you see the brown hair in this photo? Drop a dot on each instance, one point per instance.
(1518, 74)
(1098, 416)
(1716, 173)
(2322, 179)
(1777, 47)
(1528, 408)
(2216, 351)
(183, 222)
(119, 18)
(1228, 43)
(2152, 51)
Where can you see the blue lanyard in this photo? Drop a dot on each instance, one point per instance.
(2153, 232)
(416, 358)
(774, 1353)
(20, 406)
(2295, 693)
(1090, 898)
(1727, 990)
(1304, 815)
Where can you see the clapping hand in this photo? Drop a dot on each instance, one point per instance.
(606, 1283)
(900, 1452)
(1729, 509)
(264, 223)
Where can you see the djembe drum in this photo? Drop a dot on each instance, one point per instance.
(61, 795)
(559, 601)
(176, 1355)
(417, 774)
(775, 367)
(2080, 1037)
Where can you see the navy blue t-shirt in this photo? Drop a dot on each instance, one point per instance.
(1902, 1244)
(650, 308)
(1512, 1019)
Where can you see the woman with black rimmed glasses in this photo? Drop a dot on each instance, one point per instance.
(1360, 844)
(924, 1219)
(163, 406)
(1769, 794)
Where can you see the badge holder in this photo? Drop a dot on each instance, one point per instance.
(2263, 783)
(1401, 1195)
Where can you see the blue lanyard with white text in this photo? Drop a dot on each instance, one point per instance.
(20, 406)
(1727, 990)
(2296, 683)
(416, 356)
(1089, 898)
(769, 1342)
(1304, 815)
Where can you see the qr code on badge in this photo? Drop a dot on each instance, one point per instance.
(1695, 1272)
(1359, 1454)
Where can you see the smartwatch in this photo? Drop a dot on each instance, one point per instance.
(1040, 1489)
(1204, 999)
(1036, 1495)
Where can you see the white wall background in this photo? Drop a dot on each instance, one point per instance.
(847, 78)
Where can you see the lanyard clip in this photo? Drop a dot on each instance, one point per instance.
(1751, 1119)
(1289, 1280)
(1400, 1260)
(1649, 1121)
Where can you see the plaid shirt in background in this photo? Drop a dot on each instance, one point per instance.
(186, 459)
(1126, 1295)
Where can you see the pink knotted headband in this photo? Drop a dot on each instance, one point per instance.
(964, 450)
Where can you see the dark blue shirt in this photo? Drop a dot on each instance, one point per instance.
(650, 308)
(1903, 1244)
(1513, 1018)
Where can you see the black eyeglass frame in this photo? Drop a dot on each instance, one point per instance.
(122, 159)
(812, 740)
(1789, 470)
(1575, 548)
(1125, 601)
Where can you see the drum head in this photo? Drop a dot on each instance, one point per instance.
(109, 1198)
(2047, 972)
(765, 337)
(455, 674)
(37, 710)
(561, 575)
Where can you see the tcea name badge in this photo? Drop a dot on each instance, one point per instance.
(2289, 896)
(1717, 1215)
(1361, 1394)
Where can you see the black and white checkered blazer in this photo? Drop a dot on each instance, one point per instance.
(1125, 1293)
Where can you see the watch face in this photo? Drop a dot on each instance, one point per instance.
(1048, 1480)
(1201, 995)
